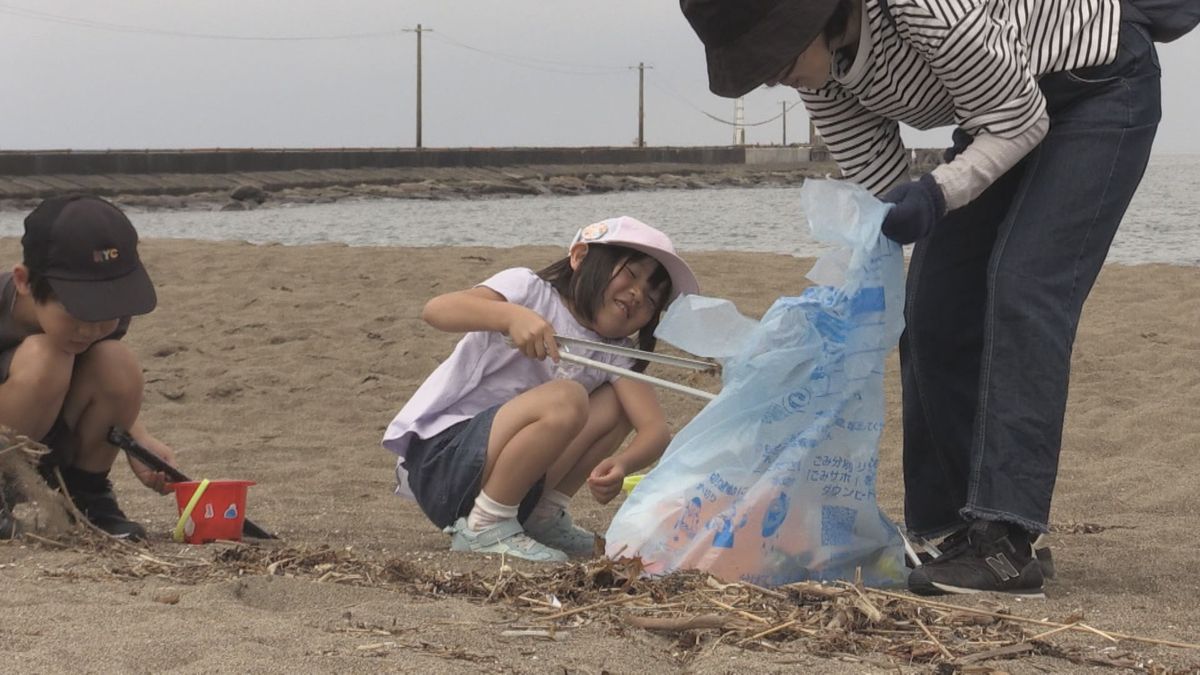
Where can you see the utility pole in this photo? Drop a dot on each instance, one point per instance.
(418, 30)
(783, 104)
(641, 68)
(739, 129)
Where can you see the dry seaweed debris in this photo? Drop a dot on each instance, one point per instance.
(842, 620)
(845, 621)
(1084, 528)
(19, 456)
(20, 482)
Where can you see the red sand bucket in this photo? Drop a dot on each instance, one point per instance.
(210, 510)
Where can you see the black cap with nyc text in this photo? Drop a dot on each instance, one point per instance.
(87, 250)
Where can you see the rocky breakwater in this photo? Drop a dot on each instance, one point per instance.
(243, 191)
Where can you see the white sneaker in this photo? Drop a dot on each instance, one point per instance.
(506, 537)
(563, 534)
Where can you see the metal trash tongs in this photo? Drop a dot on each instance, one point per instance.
(693, 364)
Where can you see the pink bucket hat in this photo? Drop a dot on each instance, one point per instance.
(633, 233)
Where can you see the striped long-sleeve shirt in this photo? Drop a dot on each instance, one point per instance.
(974, 63)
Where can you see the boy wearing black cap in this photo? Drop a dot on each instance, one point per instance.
(65, 377)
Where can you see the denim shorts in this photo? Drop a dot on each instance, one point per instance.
(445, 470)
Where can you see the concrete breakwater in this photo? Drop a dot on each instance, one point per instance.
(241, 179)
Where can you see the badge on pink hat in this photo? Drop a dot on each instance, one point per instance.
(593, 232)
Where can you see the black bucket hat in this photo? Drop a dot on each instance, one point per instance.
(747, 42)
(87, 250)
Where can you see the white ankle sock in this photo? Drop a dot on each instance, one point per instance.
(487, 512)
(549, 506)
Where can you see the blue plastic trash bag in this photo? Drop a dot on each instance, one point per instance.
(773, 482)
(689, 321)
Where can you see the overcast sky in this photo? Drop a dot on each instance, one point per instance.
(84, 74)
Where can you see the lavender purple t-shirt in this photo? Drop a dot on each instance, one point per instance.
(484, 370)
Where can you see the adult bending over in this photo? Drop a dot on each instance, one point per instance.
(1057, 103)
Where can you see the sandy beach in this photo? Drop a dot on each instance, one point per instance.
(283, 365)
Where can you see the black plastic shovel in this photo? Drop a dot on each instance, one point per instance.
(122, 439)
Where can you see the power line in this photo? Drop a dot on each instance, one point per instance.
(528, 62)
(693, 106)
(533, 63)
(143, 30)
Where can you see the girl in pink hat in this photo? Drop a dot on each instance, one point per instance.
(497, 440)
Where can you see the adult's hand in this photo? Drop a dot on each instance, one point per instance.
(962, 140)
(917, 207)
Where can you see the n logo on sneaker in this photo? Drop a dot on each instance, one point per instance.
(1002, 567)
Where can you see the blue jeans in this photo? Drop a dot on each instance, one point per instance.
(994, 298)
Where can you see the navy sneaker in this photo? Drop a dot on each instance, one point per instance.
(993, 556)
(1042, 552)
(921, 552)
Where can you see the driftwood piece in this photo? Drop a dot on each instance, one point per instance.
(677, 624)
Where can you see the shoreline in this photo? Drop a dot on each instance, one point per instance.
(248, 190)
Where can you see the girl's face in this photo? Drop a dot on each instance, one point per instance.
(630, 302)
(810, 70)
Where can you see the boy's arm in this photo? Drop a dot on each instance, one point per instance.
(483, 309)
(651, 437)
(155, 480)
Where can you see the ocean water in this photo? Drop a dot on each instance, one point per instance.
(1162, 224)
